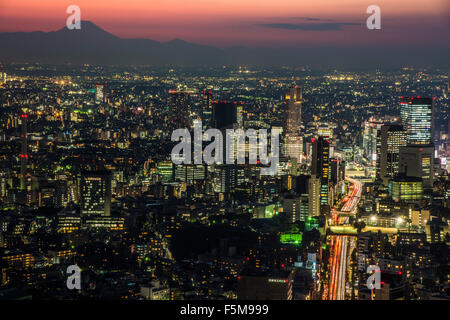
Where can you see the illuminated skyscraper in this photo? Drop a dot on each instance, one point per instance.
(320, 165)
(392, 138)
(293, 99)
(371, 139)
(293, 140)
(95, 193)
(417, 118)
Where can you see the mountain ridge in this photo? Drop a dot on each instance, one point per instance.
(93, 45)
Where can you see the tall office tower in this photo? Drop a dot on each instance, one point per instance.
(417, 161)
(417, 119)
(23, 152)
(370, 139)
(206, 108)
(264, 285)
(293, 99)
(320, 165)
(392, 138)
(293, 143)
(314, 196)
(95, 193)
(179, 104)
(224, 115)
(99, 93)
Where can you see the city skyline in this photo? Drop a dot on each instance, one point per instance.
(88, 183)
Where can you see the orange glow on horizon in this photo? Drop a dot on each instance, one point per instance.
(231, 22)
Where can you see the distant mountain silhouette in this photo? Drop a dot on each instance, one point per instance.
(93, 45)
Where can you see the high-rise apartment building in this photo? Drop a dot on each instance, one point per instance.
(179, 104)
(371, 139)
(314, 196)
(320, 165)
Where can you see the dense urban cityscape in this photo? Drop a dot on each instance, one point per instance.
(88, 179)
(225, 159)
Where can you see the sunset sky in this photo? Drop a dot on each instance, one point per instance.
(224, 23)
